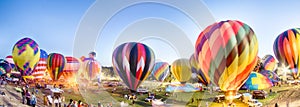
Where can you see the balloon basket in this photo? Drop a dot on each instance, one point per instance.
(229, 96)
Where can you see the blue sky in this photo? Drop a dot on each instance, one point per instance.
(53, 23)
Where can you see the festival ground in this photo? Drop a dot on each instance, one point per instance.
(94, 94)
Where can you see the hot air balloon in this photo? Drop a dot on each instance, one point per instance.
(72, 66)
(10, 60)
(271, 75)
(258, 65)
(286, 49)
(227, 52)
(26, 54)
(181, 69)
(40, 70)
(92, 68)
(4, 67)
(133, 62)
(160, 71)
(55, 65)
(269, 63)
(204, 79)
(257, 81)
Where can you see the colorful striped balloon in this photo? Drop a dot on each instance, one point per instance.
(10, 60)
(258, 65)
(133, 62)
(269, 63)
(4, 67)
(181, 70)
(227, 52)
(257, 81)
(203, 78)
(271, 75)
(72, 66)
(26, 54)
(286, 49)
(40, 70)
(92, 68)
(55, 65)
(161, 71)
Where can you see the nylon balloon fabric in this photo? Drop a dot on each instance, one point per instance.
(181, 69)
(55, 65)
(26, 54)
(41, 67)
(4, 67)
(160, 71)
(133, 62)
(203, 78)
(257, 81)
(286, 49)
(269, 63)
(227, 52)
(72, 66)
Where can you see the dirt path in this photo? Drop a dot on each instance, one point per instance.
(288, 98)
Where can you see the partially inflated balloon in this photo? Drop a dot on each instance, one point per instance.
(160, 71)
(92, 68)
(4, 67)
(257, 81)
(181, 69)
(55, 65)
(227, 52)
(10, 60)
(286, 49)
(41, 67)
(269, 63)
(203, 78)
(271, 75)
(133, 62)
(72, 66)
(26, 54)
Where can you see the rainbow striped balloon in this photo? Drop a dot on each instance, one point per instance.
(55, 65)
(257, 81)
(227, 52)
(286, 49)
(26, 54)
(92, 68)
(203, 78)
(40, 70)
(133, 62)
(161, 71)
(269, 63)
(72, 66)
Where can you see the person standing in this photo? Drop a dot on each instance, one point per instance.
(55, 101)
(33, 100)
(23, 95)
(28, 97)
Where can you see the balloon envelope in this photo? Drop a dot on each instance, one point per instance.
(55, 65)
(10, 60)
(41, 67)
(203, 78)
(160, 71)
(92, 68)
(257, 81)
(4, 67)
(72, 66)
(181, 69)
(227, 52)
(286, 49)
(133, 62)
(269, 63)
(26, 55)
(271, 75)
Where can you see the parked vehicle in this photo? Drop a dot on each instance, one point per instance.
(259, 94)
(254, 103)
(219, 98)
